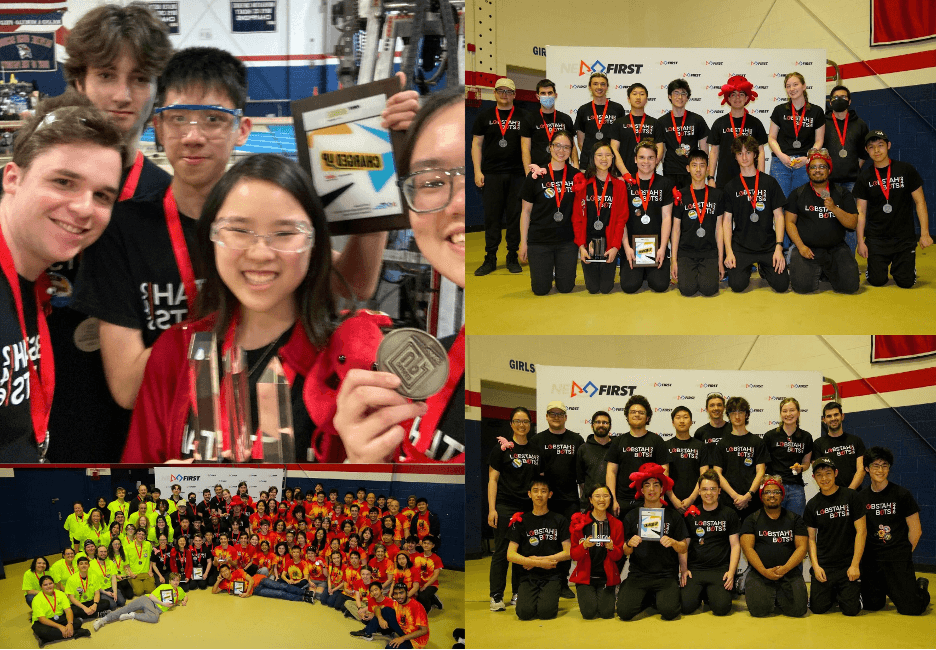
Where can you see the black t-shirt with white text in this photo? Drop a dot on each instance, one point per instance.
(845, 450)
(540, 536)
(709, 533)
(887, 512)
(591, 212)
(723, 136)
(845, 170)
(690, 244)
(542, 194)
(809, 121)
(17, 437)
(785, 451)
(834, 518)
(774, 539)
(816, 225)
(659, 193)
(710, 436)
(644, 125)
(904, 180)
(691, 132)
(651, 559)
(494, 158)
(536, 129)
(684, 464)
(557, 461)
(629, 453)
(518, 466)
(749, 236)
(739, 456)
(585, 122)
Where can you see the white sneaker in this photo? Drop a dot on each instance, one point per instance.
(497, 605)
(99, 623)
(128, 617)
(513, 600)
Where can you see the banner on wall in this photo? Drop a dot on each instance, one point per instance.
(255, 17)
(168, 12)
(902, 21)
(706, 70)
(896, 348)
(195, 479)
(586, 390)
(28, 51)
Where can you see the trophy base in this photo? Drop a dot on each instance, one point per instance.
(599, 540)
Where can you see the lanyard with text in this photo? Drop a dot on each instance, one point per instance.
(740, 131)
(600, 123)
(747, 190)
(695, 204)
(841, 134)
(133, 178)
(503, 126)
(797, 123)
(40, 401)
(179, 249)
(678, 132)
(885, 187)
(645, 200)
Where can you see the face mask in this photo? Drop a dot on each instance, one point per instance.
(547, 102)
(839, 104)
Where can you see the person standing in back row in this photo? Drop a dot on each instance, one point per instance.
(796, 126)
(846, 449)
(844, 138)
(597, 121)
(678, 132)
(536, 134)
(738, 92)
(638, 126)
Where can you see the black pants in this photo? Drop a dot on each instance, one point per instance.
(48, 633)
(789, 592)
(499, 563)
(595, 601)
(880, 579)
(838, 263)
(501, 198)
(697, 274)
(198, 584)
(125, 588)
(680, 180)
(740, 276)
(836, 588)
(900, 256)
(546, 259)
(566, 509)
(425, 597)
(102, 606)
(252, 570)
(633, 278)
(212, 576)
(538, 599)
(599, 277)
(708, 586)
(634, 590)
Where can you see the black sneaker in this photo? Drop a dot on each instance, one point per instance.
(513, 264)
(309, 597)
(566, 592)
(436, 602)
(490, 263)
(363, 634)
(923, 583)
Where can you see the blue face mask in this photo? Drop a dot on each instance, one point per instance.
(547, 102)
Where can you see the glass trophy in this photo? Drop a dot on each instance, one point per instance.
(204, 441)
(651, 524)
(645, 249)
(274, 415)
(237, 402)
(600, 532)
(598, 248)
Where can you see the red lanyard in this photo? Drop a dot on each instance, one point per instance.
(637, 134)
(676, 131)
(503, 126)
(53, 603)
(695, 205)
(436, 404)
(84, 584)
(600, 123)
(645, 201)
(139, 549)
(604, 190)
(797, 124)
(561, 191)
(71, 571)
(740, 131)
(40, 401)
(103, 566)
(841, 134)
(179, 249)
(133, 178)
(549, 131)
(885, 187)
(748, 191)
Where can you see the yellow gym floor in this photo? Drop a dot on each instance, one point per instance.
(502, 303)
(223, 621)
(883, 629)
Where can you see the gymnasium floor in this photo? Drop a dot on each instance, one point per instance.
(502, 303)
(883, 629)
(253, 622)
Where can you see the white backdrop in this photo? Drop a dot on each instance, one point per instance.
(196, 479)
(706, 70)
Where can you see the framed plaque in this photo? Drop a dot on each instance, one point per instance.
(166, 596)
(197, 573)
(645, 248)
(238, 587)
(350, 157)
(651, 524)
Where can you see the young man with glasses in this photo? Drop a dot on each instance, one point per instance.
(629, 451)
(722, 166)
(536, 133)
(590, 465)
(557, 448)
(499, 173)
(717, 426)
(818, 216)
(846, 449)
(678, 132)
(597, 121)
(893, 533)
(740, 459)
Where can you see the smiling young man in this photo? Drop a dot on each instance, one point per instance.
(717, 426)
(738, 92)
(633, 128)
(697, 233)
(597, 121)
(58, 192)
(846, 449)
(590, 467)
(678, 132)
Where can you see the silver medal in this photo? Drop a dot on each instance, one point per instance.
(755, 217)
(599, 136)
(645, 219)
(887, 208)
(548, 150)
(700, 232)
(598, 225)
(843, 154)
(797, 144)
(557, 216)
(417, 358)
(502, 142)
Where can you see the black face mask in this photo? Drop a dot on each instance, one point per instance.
(192, 500)
(839, 104)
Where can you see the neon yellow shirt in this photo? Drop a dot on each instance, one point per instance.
(83, 588)
(31, 580)
(42, 605)
(61, 572)
(178, 594)
(138, 558)
(100, 537)
(74, 525)
(115, 505)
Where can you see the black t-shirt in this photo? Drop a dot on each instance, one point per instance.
(817, 226)
(692, 131)
(494, 158)
(722, 136)
(129, 276)
(629, 453)
(17, 438)
(518, 466)
(785, 451)
(845, 170)
(685, 462)
(590, 465)
(585, 122)
(710, 436)
(557, 461)
(596, 557)
(904, 180)
(753, 236)
(813, 119)
(739, 456)
(541, 193)
(200, 558)
(591, 214)
(644, 125)
(154, 180)
(660, 192)
(540, 536)
(774, 540)
(651, 559)
(535, 129)
(834, 518)
(845, 450)
(709, 543)
(690, 244)
(887, 512)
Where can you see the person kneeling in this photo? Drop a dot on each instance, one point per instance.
(596, 573)
(148, 608)
(539, 540)
(406, 618)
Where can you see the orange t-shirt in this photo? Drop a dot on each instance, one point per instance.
(426, 566)
(403, 575)
(236, 575)
(229, 556)
(411, 616)
(295, 570)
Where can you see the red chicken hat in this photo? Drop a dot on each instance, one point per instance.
(648, 471)
(740, 83)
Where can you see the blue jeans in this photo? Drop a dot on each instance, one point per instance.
(389, 615)
(795, 499)
(789, 180)
(273, 589)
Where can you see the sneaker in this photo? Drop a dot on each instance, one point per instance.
(497, 604)
(363, 634)
(128, 617)
(922, 583)
(490, 263)
(309, 597)
(513, 600)
(566, 592)
(436, 602)
(513, 264)
(98, 624)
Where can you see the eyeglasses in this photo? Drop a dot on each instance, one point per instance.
(555, 414)
(431, 190)
(772, 492)
(819, 166)
(561, 147)
(520, 423)
(504, 92)
(679, 93)
(879, 466)
(636, 412)
(212, 121)
(708, 489)
(296, 238)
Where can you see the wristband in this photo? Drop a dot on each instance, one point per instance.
(779, 243)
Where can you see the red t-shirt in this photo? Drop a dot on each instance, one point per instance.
(403, 575)
(315, 569)
(411, 616)
(350, 575)
(384, 601)
(229, 556)
(359, 587)
(422, 525)
(295, 570)
(236, 575)
(425, 566)
(336, 575)
(380, 569)
(265, 560)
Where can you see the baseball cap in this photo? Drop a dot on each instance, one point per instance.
(823, 461)
(876, 135)
(504, 82)
(556, 404)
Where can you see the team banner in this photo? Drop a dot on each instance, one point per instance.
(902, 21)
(195, 479)
(253, 17)
(28, 51)
(706, 71)
(586, 390)
(898, 347)
(168, 12)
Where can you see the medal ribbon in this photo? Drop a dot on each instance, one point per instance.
(549, 131)
(598, 201)
(885, 192)
(676, 131)
(841, 134)
(695, 205)
(740, 131)
(645, 201)
(40, 401)
(748, 191)
(179, 249)
(600, 123)
(133, 178)
(71, 571)
(637, 133)
(83, 583)
(797, 123)
(503, 127)
(561, 191)
(53, 603)
(103, 567)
